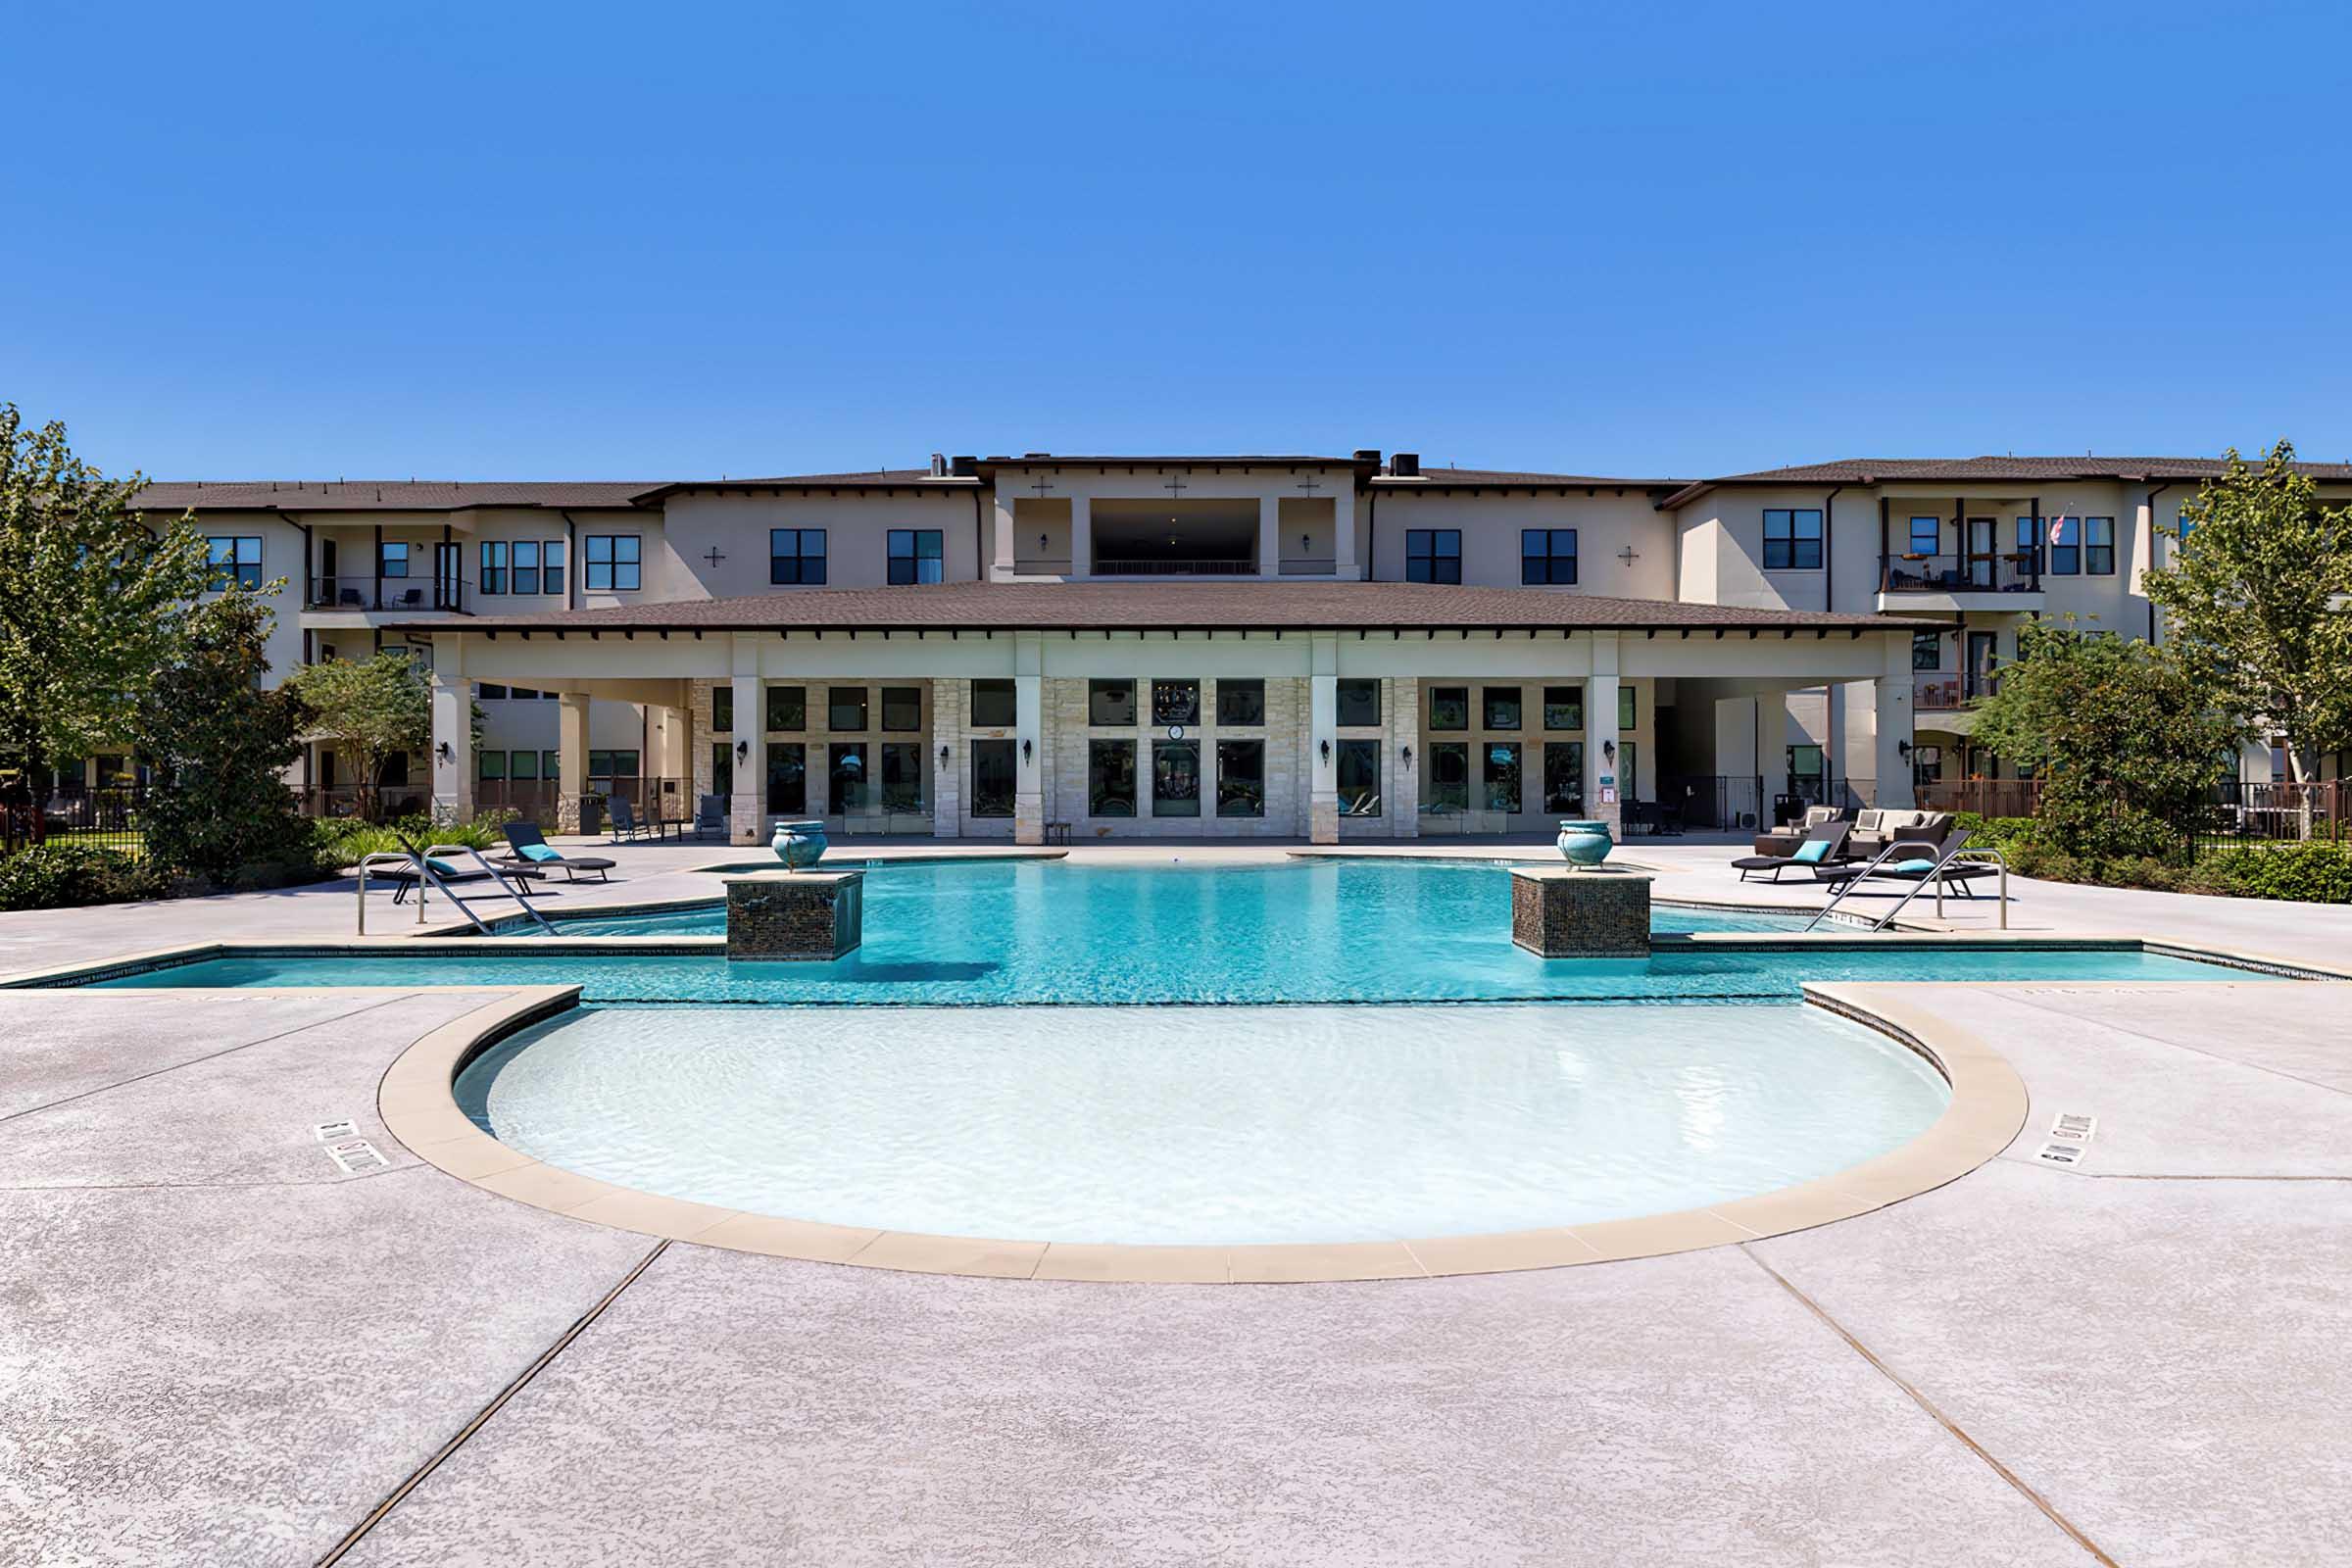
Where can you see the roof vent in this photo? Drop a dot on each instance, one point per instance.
(1406, 465)
(1369, 455)
(939, 465)
(964, 468)
(1027, 457)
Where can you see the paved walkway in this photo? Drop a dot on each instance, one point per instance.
(217, 1347)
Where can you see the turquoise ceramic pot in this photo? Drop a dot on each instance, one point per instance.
(799, 845)
(1584, 842)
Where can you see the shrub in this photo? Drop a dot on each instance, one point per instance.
(65, 875)
(2309, 873)
(346, 840)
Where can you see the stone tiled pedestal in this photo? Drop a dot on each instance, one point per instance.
(798, 915)
(1560, 912)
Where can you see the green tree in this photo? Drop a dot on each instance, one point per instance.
(369, 711)
(224, 743)
(92, 603)
(2123, 737)
(2256, 594)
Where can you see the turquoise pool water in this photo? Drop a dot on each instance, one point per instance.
(1012, 933)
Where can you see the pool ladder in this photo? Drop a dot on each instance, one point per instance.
(1934, 877)
(421, 865)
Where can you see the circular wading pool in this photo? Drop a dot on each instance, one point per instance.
(1230, 1125)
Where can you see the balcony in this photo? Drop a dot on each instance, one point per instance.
(1947, 691)
(403, 595)
(2002, 580)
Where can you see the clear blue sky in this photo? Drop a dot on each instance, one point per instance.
(658, 241)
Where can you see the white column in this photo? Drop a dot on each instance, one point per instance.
(1404, 760)
(1082, 536)
(1600, 737)
(572, 759)
(950, 703)
(1029, 720)
(1004, 520)
(1322, 742)
(453, 734)
(1343, 531)
(1269, 536)
(1894, 792)
(744, 817)
(1772, 747)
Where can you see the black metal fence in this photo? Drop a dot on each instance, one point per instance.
(2240, 814)
(107, 817)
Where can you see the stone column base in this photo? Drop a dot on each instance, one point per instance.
(567, 812)
(1323, 819)
(744, 819)
(807, 917)
(1029, 819)
(1560, 912)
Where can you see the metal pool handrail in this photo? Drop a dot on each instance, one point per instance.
(421, 862)
(1943, 859)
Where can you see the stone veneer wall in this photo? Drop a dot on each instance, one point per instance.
(1067, 738)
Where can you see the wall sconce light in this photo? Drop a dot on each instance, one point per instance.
(1040, 541)
(943, 757)
(446, 752)
(1609, 752)
(1305, 544)
(1903, 747)
(743, 750)
(1327, 751)
(1405, 756)
(1024, 750)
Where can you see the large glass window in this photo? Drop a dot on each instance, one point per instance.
(1547, 555)
(2030, 543)
(914, 555)
(236, 559)
(1433, 554)
(993, 778)
(1450, 776)
(848, 786)
(722, 768)
(392, 559)
(1240, 778)
(1359, 778)
(901, 709)
(1242, 702)
(787, 778)
(994, 705)
(1792, 540)
(1625, 706)
(615, 563)
(1110, 703)
(788, 708)
(722, 709)
(1927, 649)
(794, 556)
(845, 708)
(490, 766)
(1360, 703)
(523, 765)
(550, 569)
(1501, 703)
(1804, 771)
(903, 778)
(607, 769)
(1449, 708)
(1110, 778)
(1175, 779)
(526, 567)
(1502, 776)
(2098, 546)
(1175, 702)
(1564, 777)
(494, 567)
(1563, 708)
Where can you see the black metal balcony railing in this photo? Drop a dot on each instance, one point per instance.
(2004, 571)
(1935, 691)
(389, 593)
(1112, 566)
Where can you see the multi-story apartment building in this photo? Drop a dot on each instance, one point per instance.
(1325, 647)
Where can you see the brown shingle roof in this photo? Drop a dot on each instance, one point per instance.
(1978, 470)
(1171, 606)
(1440, 479)
(382, 495)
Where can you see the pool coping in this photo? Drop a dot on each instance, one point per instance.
(418, 1105)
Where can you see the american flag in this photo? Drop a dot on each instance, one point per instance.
(2057, 527)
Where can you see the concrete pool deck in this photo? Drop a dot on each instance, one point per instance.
(218, 1345)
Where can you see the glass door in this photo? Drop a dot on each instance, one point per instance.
(1980, 551)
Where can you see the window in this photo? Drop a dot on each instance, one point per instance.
(1501, 704)
(788, 708)
(914, 555)
(1433, 554)
(1175, 702)
(993, 778)
(1449, 708)
(494, 567)
(551, 764)
(994, 705)
(722, 768)
(1927, 765)
(1242, 702)
(2098, 546)
(848, 785)
(845, 708)
(1563, 708)
(796, 557)
(1360, 703)
(523, 765)
(788, 779)
(1502, 776)
(1792, 540)
(1240, 778)
(488, 693)
(490, 766)
(236, 559)
(1625, 708)
(606, 766)
(1359, 778)
(1111, 702)
(901, 709)
(1175, 779)
(615, 563)
(526, 567)
(903, 778)
(1804, 771)
(1927, 537)
(1110, 778)
(722, 709)
(1927, 649)
(2065, 547)
(392, 559)
(1547, 555)
(1449, 778)
(1564, 777)
(551, 568)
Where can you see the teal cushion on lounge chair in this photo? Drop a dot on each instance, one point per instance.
(540, 852)
(1912, 868)
(1812, 851)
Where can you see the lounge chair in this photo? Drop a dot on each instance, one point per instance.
(1823, 846)
(1933, 861)
(711, 817)
(404, 879)
(527, 846)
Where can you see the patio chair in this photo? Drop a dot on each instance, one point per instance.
(711, 817)
(628, 824)
(1823, 846)
(527, 846)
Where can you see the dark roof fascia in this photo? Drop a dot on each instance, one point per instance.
(954, 484)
